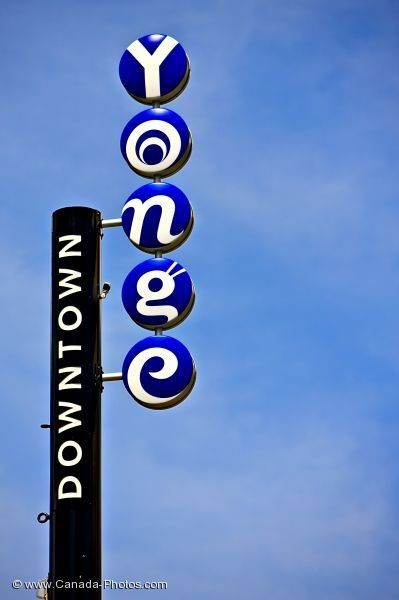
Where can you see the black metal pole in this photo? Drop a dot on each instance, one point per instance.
(75, 472)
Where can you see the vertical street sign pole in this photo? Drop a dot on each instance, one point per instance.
(75, 471)
(76, 373)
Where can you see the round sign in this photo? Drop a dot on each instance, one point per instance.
(156, 142)
(154, 68)
(157, 217)
(158, 293)
(159, 372)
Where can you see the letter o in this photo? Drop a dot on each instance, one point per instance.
(74, 325)
(74, 461)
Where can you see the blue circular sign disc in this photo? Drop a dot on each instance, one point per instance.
(156, 141)
(158, 293)
(157, 217)
(159, 372)
(154, 68)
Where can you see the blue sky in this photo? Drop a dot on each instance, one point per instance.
(278, 477)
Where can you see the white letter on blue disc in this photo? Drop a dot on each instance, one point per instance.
(159, 372)
(157, 141)
(154, 68)
(163, 228)
(158, 293)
